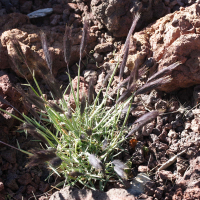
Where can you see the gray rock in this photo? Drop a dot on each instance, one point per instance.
(138, 184)
(40, 13)
(70, 193)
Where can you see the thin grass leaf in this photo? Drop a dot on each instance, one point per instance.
(126, 45)
(123, 64)
(153, 85)
(46, 51)
(165, 71)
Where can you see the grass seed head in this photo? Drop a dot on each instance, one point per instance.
(41, 156)
(95, 162)
(46, 51)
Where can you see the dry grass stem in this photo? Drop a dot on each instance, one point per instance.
(46, 51)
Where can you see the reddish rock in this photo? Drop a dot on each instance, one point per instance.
(43, 187)
(9, 155)
(29, 39)
(188, 186)
(9, 93)
(26, 7)
(1, 186)
(104, 47)
(173, 38)
(143, 169)
(30, 189)
(25, 179)
(74, 193)
(83, 90)
(166, 175)
(13, 20)
(195, 125)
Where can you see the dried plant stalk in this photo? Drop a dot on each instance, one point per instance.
(46, 51)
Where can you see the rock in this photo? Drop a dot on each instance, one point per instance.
(1, 186)
(119, 194)
(104, 47)
(83, 90)
(188, 187)
(138, 155)
(98, 57)
(13, 20)
(195, 125)
(25, 179)
(30, 189)
(40, 13)
(143, 169)
(11, 182)
(138, 184)
(166, 175)
(9, 93)
(182, 165)
(43, 187)
(90, 74)
(9, 156)
(31, 47)
(26, 7)
(70, 193)
(172, 38)
(117, 16)
(55, 20)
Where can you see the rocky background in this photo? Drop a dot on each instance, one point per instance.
(168, 31)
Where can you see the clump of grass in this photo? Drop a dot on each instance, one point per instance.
(81, 144)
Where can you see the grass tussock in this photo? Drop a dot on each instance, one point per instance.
(82, 144)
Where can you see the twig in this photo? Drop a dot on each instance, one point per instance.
(171, 161)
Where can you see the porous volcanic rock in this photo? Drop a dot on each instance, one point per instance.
(9, 93)
(188, 186)
(70, 193)
(175, 37)
(29, 39)
(117, 15)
